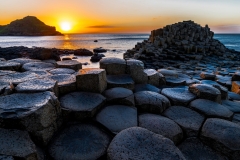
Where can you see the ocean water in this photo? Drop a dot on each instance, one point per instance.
(119, 42)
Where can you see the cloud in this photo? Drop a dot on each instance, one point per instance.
(226, 28)
(101, 26)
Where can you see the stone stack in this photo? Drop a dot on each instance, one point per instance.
(183, 45)
(121, 110)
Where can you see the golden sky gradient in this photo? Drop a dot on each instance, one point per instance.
(124, 16)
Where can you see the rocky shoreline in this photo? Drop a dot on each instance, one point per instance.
(122, 110)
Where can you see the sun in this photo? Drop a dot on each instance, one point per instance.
(66, 26)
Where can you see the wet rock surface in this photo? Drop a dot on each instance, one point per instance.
(81, 141)
(138, 143)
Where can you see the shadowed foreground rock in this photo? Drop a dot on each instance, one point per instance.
(17, 143)
(113, 66)
(138, 143)
(81, 141)
(161, 125)
(37, 113)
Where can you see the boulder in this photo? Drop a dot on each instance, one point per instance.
(17, 77)
(38, 85)
(236, 87)
(66, 83)
(138, 143)
(178, 96)
(123, 80)
(71, 64)
(62, 71)
(119, 95)
(223, 90)
(223, 136)
(152, 102)
(91, 80)
(152, 76)
(189, 120)
(205, 91)
(118, 117)
(37, 66)
(99, 50)
(113, 66)
(11, 66)
(146, 87)
(161, 125)
(193, 148)
(135, 69)
(16, 143)
(82, 52)
(96, 57)
(80, 141)
(37, 113)
(81, 105)
(207, 76)
(211, 109)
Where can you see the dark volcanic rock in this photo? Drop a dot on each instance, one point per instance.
(223, 136)
(37, 113)
(204, 91)
(17, 143)
(5, 157)
(62, 71)
(178, 96)
(211, 109)
(120, 95)
(118, 117)
(11, 66)
(138, 143)
(161, 125)
(233, 96)
(82, 52)
(146, 87)
(189, 120)
(37, 66)
(152, 102)
(99, 50)
(113, 66)
(81, 141)
(232, 106)
(236, 76)
(22, 61)
(135, 68)
(71, 64)
(17, 78)
(3, 72)
(193, 148)
(123, 80)
(81, 105)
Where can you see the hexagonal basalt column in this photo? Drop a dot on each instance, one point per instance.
(91, 80)
(22, 61)
(81, 105)
(147, 101)
(113, 66)
(66, 83)
(6, 88)
(71, 64)
(118, 117)
(62, 71)
(38, 113)
(38, 85)
(81, 141)
(37, 66)
(153, 77)
(205, 91)
(17, 143)
(123, 80)
(119, 95)
(136, 69)
(17, 78)
(12, 66)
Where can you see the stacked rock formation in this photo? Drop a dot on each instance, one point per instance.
(118, 111)
(183, 45)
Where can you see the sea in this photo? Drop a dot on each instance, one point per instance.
(116, 44)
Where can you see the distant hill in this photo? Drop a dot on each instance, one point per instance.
(28, 26)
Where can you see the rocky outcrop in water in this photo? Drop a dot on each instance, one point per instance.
(28, 26)
(183, 45)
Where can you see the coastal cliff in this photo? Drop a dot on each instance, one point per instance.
(28, 26)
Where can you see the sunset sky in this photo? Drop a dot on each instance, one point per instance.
(124, 16)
